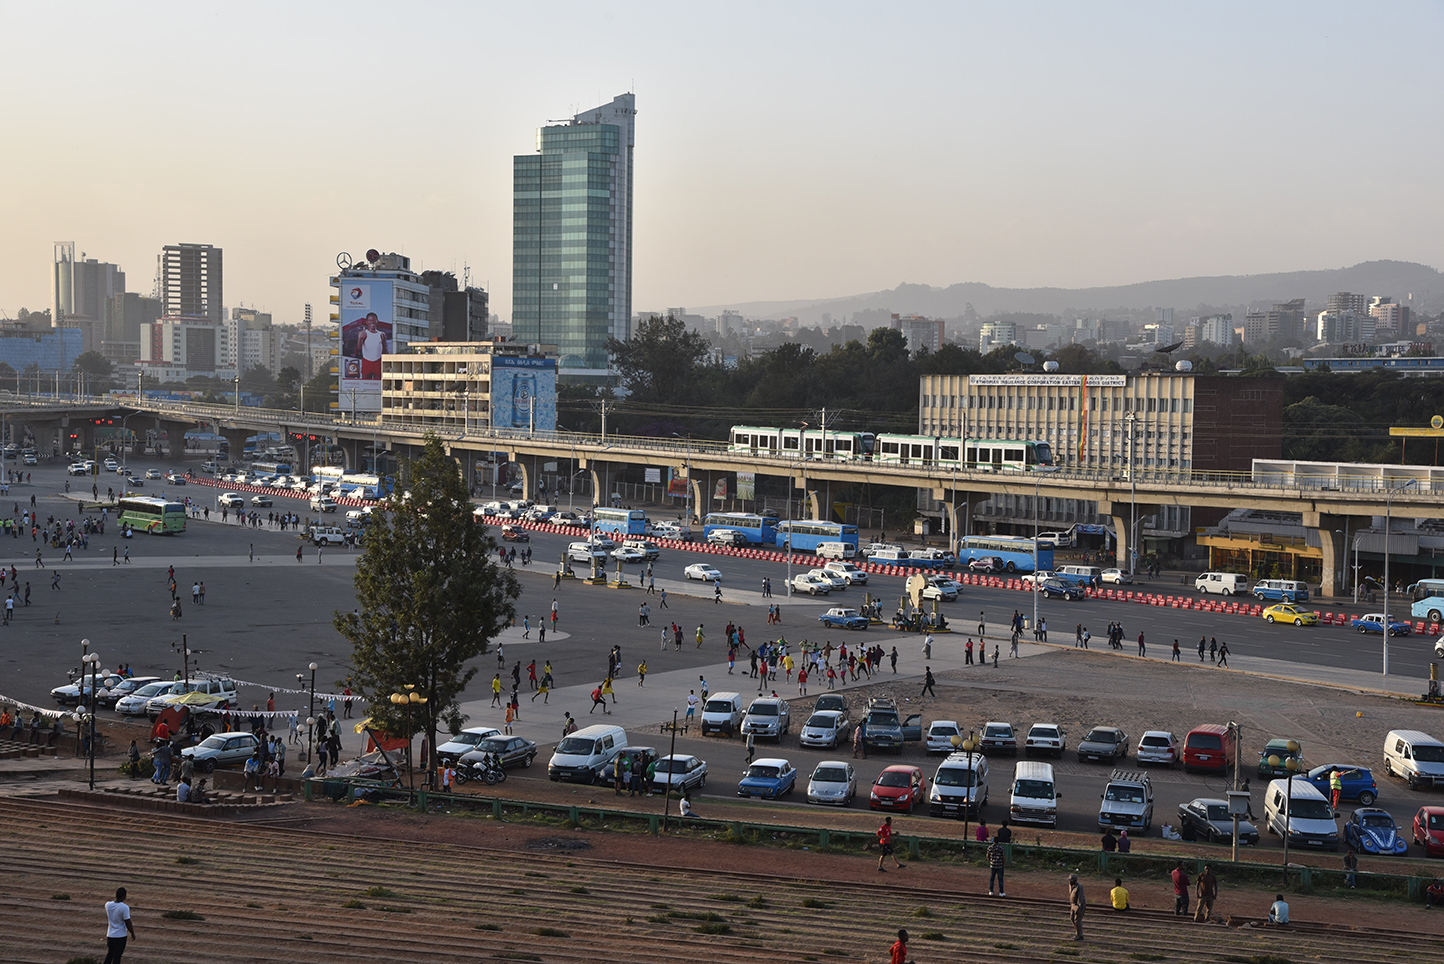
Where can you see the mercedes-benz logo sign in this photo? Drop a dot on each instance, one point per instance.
(343, 260)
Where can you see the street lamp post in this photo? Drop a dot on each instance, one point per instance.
(93, 660)
(1291, 765)
(310, 714)
(1036, 585)
(1388, 511)
(687, 499)
(406, 700)
(672, 755)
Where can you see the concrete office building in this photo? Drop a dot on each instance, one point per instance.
(175, 349)
(457, 313)
(190, 282)
(129, 313)
(1181, 422)
(383, 306)
(1389, 317)
(1283, 320)
(84, 290)
(995, 334)
(452, 387)
(572, 239)
(922, 334)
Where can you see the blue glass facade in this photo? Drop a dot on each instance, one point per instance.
(572, 238)
(51, 349)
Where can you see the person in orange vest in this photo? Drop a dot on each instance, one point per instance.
(1336, 784)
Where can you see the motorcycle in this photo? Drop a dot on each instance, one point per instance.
(487, 769)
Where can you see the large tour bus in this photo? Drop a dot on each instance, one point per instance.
(626, 522)
(760, 530)
(159, 517)
(1428, 596)
(1016, 553)
(271, 468)
(804, 535)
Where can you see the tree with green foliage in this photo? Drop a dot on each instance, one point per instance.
(431, 599)
(93, 363)
(661, 360)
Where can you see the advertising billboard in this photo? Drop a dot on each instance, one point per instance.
(367, 333)
(524, 394)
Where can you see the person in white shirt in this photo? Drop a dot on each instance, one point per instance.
(183, 791)
(1279, 911)
(371, 345)
(118, 927)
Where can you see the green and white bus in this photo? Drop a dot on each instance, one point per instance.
(159, 517)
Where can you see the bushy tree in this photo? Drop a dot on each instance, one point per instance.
(431, 598)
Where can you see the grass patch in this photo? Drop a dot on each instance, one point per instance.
(1257, 959)
(658, 919)
(1006, 947)
(354, 904)
(832, 952)
(379, 891)
(306, 937)
(714, 928)
(533, 873)
(1146, 957)
(253, 905)
(183, 859)
(661, 906)
(922, 912)
(757, 902)
(709, 916)
(517, 956)
(580, 890)
(394, 910)
(550, 932)
(815, 903)
(1067, 951)
(488, 926)
(727, 897)
(83, 959)
(59, 896)
(182, 915)
(933, 936)
(517, 892)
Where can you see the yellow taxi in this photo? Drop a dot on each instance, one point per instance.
(1287, 613)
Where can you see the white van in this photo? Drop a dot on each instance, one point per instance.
(722, 713)
(1310, 823)
(1415, 756)
(582, 756)
(836, 550)
(961, 783)
(1082, 575)
(1035, 794)
(1221, 583)
(585, 552)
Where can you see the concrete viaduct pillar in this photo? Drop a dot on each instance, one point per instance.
(175, 436)
(235, 441)
(954, 499)
(1335, 551)
(1123, 513)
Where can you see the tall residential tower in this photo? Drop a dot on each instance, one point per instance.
(572, 238)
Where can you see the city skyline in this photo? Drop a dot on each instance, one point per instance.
(792, 152)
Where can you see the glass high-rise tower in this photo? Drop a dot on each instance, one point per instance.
(572, 238)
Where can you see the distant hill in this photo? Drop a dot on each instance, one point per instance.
(1398, 279)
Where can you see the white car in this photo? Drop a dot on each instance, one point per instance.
(947, 587)
(1036, 578)
(628, 554)
(680, 771)
(939, 738)
(1159, 747)
(134, 704)
(849, 572)
(833, 783)
(465, 741)
(77, 468)
(231, 500)
(1046, 738)
(110, 465)
(810, 584)
(834, 579)
(1055, 540)
(670, 530)
(1117, 577)
(702, 571)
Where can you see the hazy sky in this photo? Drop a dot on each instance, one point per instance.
(784, 150)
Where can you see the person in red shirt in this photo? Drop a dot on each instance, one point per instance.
(900, 948)
(884, 838)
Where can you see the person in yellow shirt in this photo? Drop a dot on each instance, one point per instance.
(642, 673)
(1119, 894)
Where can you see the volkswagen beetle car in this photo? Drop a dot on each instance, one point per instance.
(1373, 831)
(1374, 623)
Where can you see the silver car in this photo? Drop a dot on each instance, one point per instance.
(826, 728)
(680, 771)
(833, 783)
(222, 749)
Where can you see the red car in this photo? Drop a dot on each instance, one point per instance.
(1429, 830)
(899, 787)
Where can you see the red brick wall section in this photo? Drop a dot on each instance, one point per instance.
(1236, 420)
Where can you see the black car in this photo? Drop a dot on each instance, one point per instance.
(1104, 743)
(1208, 819)
(513, 751)
(642, 756)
